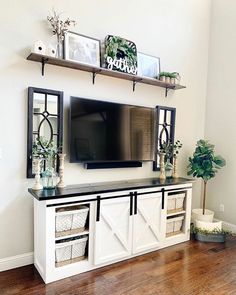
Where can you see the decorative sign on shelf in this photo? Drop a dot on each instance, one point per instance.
(120, 55)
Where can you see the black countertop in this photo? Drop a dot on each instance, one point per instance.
(104, 187)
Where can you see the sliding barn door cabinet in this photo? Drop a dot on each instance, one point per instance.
(81, 228)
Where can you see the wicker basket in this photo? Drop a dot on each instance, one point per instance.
(175, 203)
(70, 220)
(70, 251)
(174, 225)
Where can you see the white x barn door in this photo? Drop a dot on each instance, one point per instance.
(113, 231)
(148, 227)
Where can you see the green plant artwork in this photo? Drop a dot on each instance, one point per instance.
(120, 54)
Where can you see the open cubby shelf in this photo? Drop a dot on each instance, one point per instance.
(85, 232)
(43, 59)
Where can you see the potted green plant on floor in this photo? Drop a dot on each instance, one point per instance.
(215, 235)
(204, 164)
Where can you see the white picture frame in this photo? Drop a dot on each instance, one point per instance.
(82, 49)
(148, 66)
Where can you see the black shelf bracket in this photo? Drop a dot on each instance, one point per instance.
(135, 82)
(167, 90)
(44, 61)
(94, 75)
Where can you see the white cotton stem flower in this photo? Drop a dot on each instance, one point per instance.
(59, 27)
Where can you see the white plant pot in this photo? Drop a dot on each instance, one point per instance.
(210, 226)
(198, 215)
(172, 80)
(167, 79)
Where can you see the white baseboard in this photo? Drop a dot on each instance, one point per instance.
(16, 261)
(227, 225)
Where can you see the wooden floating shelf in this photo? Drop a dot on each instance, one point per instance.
(44, 59)
(85, 232)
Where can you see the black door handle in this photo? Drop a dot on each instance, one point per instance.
(131, 203)
(162, 198)
(98, 208)
(135, 203)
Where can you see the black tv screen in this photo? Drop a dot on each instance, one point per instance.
(106, 132)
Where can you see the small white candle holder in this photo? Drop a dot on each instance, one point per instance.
(174, 172)
(162, 167)
(61, 182)
(37, 184)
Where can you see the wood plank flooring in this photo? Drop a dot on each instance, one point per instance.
(188, 268)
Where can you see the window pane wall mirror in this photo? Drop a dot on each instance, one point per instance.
(45, 121)
(164, 131)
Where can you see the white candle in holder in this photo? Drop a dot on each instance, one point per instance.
(61, 182)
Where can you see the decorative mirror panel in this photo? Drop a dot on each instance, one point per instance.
(45, 120)
(164, 131)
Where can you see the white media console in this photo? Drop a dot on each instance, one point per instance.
(84, 227)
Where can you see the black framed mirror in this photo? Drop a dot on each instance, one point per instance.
(45, 120)
(164, 131)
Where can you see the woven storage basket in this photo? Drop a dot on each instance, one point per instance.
(70, 219)
(70, 250)
(175, 203)
(174, 225)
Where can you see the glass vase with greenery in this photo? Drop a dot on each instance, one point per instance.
(47, 151)
(171, 150)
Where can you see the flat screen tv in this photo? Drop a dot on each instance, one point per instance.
(110, 132)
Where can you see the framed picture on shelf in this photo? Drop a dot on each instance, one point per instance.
(82, 49)
(148, 65)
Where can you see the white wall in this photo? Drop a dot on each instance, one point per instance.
(177, 31)
(221, 106)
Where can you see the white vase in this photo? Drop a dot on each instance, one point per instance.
(39, 47)
(197, 214)
(210, 226)
(167, 80)
(51, 50)
(172, 80)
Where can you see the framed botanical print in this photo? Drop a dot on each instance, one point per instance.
(148, 65)
(82, 49)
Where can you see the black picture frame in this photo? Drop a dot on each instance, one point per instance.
(58, 133)
(80, 58)
(169, 126)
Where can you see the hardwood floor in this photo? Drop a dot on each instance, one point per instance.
(187, 268)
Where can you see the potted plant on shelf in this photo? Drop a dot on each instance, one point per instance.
(204, 164)
(169, 77)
